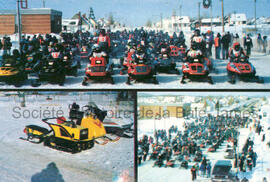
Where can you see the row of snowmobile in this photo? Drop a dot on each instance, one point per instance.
(83, 129)
(52, 68)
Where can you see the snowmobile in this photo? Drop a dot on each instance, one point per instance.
(117, 126)
(75, 135)
(12, 73)
(241, 68)
(182, 52)
(175, 53)
(84, 53)
(70, 65)
(141, 71)
(196, 69)
(31, 64)
(184, 164)
(51, 70)
(167, 64)
(125, 62)
(98, 69)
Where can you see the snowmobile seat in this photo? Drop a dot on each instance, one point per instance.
(38, 128)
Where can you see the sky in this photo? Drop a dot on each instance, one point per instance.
(138, 12)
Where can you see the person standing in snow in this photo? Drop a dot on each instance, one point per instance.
(264, 43)
(248, 44)
(193, 171)
(217, 42)
(259, 42)
(208, 168)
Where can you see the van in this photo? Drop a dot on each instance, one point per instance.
(222, 171)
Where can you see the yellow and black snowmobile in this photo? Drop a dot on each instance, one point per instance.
(11, 72)
(78, 134)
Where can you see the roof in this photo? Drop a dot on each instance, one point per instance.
(43, 11)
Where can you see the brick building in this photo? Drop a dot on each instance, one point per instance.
(43, 20)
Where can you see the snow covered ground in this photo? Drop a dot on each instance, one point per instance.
(22, 161)
(148, 173)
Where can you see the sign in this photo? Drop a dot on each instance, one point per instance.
(206, 3)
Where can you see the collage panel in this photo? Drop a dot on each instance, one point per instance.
(139, 44)
(63, 136)
(203, 136)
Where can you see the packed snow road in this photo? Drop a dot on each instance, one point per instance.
(166, 81)
(22, 161)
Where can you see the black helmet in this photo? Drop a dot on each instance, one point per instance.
(16, 52)
(193, 45)
(197, 32)
(102, 31)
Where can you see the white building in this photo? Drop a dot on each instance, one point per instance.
(237, 19)
(72, 25)
(174, 23)
(206, 22)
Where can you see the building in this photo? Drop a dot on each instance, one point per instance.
(206, 22)
(149, 111)
(237, 19)
(41, 20)
(175, 23)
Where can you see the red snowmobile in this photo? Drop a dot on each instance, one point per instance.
(197, 68)
(98, 69)
(84, 53)
(126, 62)
(241, 68)
(141, 71)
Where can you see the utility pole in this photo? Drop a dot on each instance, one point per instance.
(255, 12)
(43, 3)
(180, 16)
(222, 6)
(199, 14)
(161, 23)
(19, 23)
(211, 16)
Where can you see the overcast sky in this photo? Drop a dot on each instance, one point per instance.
(137, 12)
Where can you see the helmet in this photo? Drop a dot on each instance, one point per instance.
(96, 48)
(102, 31)
(197, 32)
(236, 46)
(15, 52)
(193, 45)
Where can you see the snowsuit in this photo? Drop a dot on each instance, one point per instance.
(225, 41)
(217, 46)
(193, 173)
(264, 44)
(208, 168)
(248, 44)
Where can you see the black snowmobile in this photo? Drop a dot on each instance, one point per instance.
(51, 70)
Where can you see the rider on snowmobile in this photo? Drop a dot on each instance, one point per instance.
(193, 53)
(104, 41)
(198, 39)
(237, 52)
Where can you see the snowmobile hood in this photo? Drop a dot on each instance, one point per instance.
(6, 71)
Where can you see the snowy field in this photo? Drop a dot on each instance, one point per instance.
(22, 161)
(148, 173)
